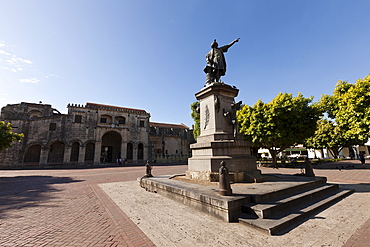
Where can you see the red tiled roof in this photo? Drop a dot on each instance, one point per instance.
(182, 126)
(115, 107)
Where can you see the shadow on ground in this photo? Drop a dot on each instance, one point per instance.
(72, 167)
(27, 191)
(359, 188)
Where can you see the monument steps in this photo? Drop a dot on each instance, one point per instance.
(281, 193)
(278, 217)
(267, 209)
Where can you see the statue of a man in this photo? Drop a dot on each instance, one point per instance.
(216, 62)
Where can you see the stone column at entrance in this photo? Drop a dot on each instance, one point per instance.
(134, 157)
(219, 138)
(124, 150)
(81, 155)
(67, 155)
(44, 154)
(146, 153)
(97, 153)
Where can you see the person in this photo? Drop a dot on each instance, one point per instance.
(362, 159)
(216, 62)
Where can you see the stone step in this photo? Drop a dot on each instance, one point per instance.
(274, 195)
(281, 222)
(267, 209)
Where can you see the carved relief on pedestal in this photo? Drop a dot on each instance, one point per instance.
(206, 117)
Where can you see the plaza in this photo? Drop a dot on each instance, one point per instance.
(105, 206)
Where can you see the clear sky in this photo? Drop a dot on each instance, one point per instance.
(150, 54)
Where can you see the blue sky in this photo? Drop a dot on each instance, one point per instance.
(150, 54)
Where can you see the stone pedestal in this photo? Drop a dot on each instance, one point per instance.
(218, 140)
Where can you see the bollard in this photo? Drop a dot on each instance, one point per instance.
(148, 170)
(224, 188)
(308, 168)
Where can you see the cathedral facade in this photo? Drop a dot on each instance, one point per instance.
(87, 135)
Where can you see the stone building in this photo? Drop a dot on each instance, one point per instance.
(90, 134)
(170, 142)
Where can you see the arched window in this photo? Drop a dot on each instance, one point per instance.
(56, 152)
(32, 154)
(35, 114)
(120, 120)
(105, 119)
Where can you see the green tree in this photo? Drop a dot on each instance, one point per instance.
(196, 117)
(349, 108)
(283, 122)
(327, 135)
(7, 137)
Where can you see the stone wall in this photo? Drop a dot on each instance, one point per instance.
(52, 138)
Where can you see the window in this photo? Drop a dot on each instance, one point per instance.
(121, 120)
(78, 119)
(52, 126)
(103, 120)
(141, 123)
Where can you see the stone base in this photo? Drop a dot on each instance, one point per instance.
(235, 177)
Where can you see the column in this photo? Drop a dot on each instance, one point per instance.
(81, 155)
(146, 153)
(44, 154)
(134, 158)
(124, 150)
(67, 155)
(97, 153)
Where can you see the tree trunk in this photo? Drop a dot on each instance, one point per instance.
(274, 153)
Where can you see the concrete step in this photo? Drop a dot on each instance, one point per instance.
(274, 195)
(267, 209)
(283, 221)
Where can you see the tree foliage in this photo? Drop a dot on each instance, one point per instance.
(196, 117)
(327, 135)
(7, 137)
(349, 107)
(283, 122)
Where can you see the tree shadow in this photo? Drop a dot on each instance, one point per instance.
(27, 191)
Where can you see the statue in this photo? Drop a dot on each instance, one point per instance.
(216, 62)
(232, 116)
(224, 188)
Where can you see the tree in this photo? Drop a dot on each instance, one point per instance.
(327, 135)
(349, 108)
(196, 117)
(7, 137)
(283, 122)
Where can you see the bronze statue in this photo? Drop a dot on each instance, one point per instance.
(232, 116)
(216, 62)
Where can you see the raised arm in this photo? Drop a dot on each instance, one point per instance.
(237, 40)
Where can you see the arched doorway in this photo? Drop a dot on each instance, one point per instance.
(56, 153)
(89, 153)
(32, 154)
(75, 151)
(140, 152)
(111, 147)
(130, 151)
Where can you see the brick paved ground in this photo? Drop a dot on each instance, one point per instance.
(68, 208)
